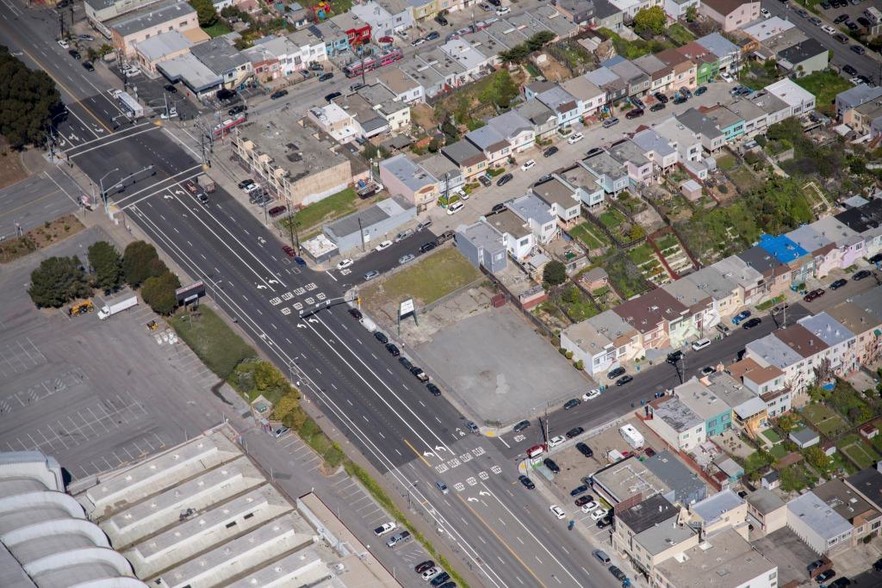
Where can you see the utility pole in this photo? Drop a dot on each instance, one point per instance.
(361, 233)
(61, 23)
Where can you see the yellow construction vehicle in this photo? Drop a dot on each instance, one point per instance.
(81, 308)
(152, 326)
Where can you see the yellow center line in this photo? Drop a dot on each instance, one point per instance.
(417, 453)
(498, 538)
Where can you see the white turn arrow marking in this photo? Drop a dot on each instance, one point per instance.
(439, 448)
(428, 454)
(301, 326)
(168, 196)
(472, 499)
(312, 320)
(272, 281)
(482, 493)
(180, 193)
(261, 287)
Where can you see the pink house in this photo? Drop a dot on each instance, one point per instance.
(849, 244)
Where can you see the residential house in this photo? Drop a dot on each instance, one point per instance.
(706, 63)
(849, 244)
(685, 487)
(515, 129)
(404, 88)
(773, 350)
(658, 317)
(564, 105)
(725, 556)
(657, 149)
(767, 510)
(730, 123)
(868, 484)
(607, 80)
(630, 8)
(224, 60)
(855, 96)
(158, 18)
(728, 54)
(772, 35)
(767, 382)
(686, 142)
(648, 533)
(601, 342)
(383, 23)
(473, 62)
(638, 166)
(865, 327)
(776, 275)
(587, 187)
(579, 12)
(313, 48)
(865, 220)
(561, 198)
(753, 119)
(589, 98)
(750, 283)
(342, 126)
(382, 101)
(470, 160)
(730, 14)
(491, 142)
(749, 413)
(717, 414)
(851, 506)
(720, 511)
(865, 119)
(683, 70)
(840, 342)
(448, 176)
(705, 128)
(786, 251)
(408, 181)
(700, 309)
(660, 73)
(677, 424)
(677, 9)
(804, 58)
(482, 245)
(548, 18)
(370, 121)
(541, 118)
(611, 175)
(776, 109)
(335, 39)
(608, 16)
(162, 47)
(638, 80)
(264, 64)
(358, 32)
(724, 293)
(537, 215)
(517, 236)
(436, 71)
(800, 100)
(287, 54)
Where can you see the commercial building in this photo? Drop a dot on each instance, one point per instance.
(402, 177)
(817, 524)
(368, 226)
(627, 482)
(685, 485)
(163, 17)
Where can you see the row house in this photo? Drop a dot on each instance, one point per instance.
(865, 518)
(677, 424)
(358, 32)
(638, 80)
(382, 21)
(820, 527)
(609, 172)
(771, 350)
(602, 342)
(382, 101)
(768, 382)
(661, 75)
(638, 166)
(707, 64)
(789, 253)
(800, 100)
(865, 326)
(473, 62)
(589, 98)
(515, 129)
(516, 234)
(579, 12)
(541, 118)
(482, 245)
(866, 221)
(685, 142)
(562, 198)
(700, 307)
(849, 244)
(749, 412)
(470, 160)
(776, 275)
(403, 88)
(732, 15)
(408, 181)
(677, 9)
(336, 40)
(866, 119)
(657, 316)
(700, 400)
(727, 53)
(588, 188)
(448, 176)
(840, 341)
(804, 58)
(753, 119)
(704, 128)
(683, 70)
(537, 215)
(264, 63)
(630, 8)
(776, 109)
(491, 143)
(309, 48)
(563, 104)
(728, 122)
(854, 97)
(657, 149)
(609, 82)
(723, 292)
(750, 284)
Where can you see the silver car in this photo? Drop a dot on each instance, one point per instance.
(371, 275)
(406, 258)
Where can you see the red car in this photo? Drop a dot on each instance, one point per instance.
(289, 251)
(813, 294)
(277, 210)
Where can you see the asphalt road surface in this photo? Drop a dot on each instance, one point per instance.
(35, 200)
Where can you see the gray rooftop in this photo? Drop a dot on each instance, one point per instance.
(718, 45)
(367, 217)
(604, 76)
(700, 399)
(660, 538)
(579, 177)
(487, 138)
(724, 117)
(509, 124)
(735, 269)
(765, 501)
(760, 260)
(773, 351)
(218, 55)
(675, 475)
(826, 328)
(650, 141)
(482, 235)
(802, 51)
(627, 151)
(676, 414)
(730, 390)
(713, 507)
(531, 207)
(438, 165)
(164, 44)
(155, 14)
(870, 302)
(869, 483)
(463, 153)
(711, 281)
(409, 173)
(187, 67)
(645, 515)
(808, 238)
(699, 123)
(535, 112)
(603, 164)
(819, 517)
(557, 99)
(858, 95)
(555, 191)
(509, 223)
(688, 294)
(804, 435)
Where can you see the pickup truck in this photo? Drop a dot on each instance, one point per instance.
(196, 190)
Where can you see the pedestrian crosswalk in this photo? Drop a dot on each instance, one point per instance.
(298, 298)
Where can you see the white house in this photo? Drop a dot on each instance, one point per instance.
(799, 100)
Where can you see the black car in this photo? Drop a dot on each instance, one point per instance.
(381, 337)
(419, 373)
(814, 565)
(441, 20)
(170, 88)
(585, 450)
(615, 373)
(859, 49)
(497, 208)
(485, 181)
(754, 322)
(572, 404)
(624, 380)
(422, 567)
(356, 314)
(238, 109)
(433, 35)
(575, 432)
(861, 275)
(278, 94)
(332, 95)
(657, 106)
(582, 500)
(435, 390)
(405, 362)
(551, 465)
(619, 574)
(661, 97)
(87, 65)
(864, 22)
(504, 179)
(876, 258)
(393, 349)
(839, 583)
(838, 284)
(679, 99)
(593, 151)
(579, 490)
(550, 151)
(440, 579)
(635, 113)
(326, 76)
(674, 357)
(840, 18)
(850, 70)
(426, 247)
(824, 576)
(604, 523)
(74, 53)
(521, 426)
(527, 482)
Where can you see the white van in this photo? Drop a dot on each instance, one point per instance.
(455, 207)
(701, 344)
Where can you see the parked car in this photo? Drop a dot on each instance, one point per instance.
(814, 294)
(754, 322)
(859, 49)
(521, 426)
(624, 380)
(381, 337)
(330, 97)
(674, 356)
(406, 258)
(503, 11)
(555, 441)
(635, 113)
(661, 97)
(428, 246)
(615, 373)
(74, 53)
(557, 511)
(344, 263)
(504, 179)
(619, 574)
(278, 94)
(657, 107)
(550, 151)
(356, 314)
(276, 211)
(383, 245)
(610, 122)
(433, 35)
(528, 165)
(572, 403)
(87, 65)
(368, 276)
(838, 284)
(579, 490)
(575, 138)
(326, 76)
(526, 482)
(700, 90)
(849, 69)
(861, 275)
(439, 18)
(384, 528)
(485, 180)
(591, 394)
(765, 13)
(422, 567)
(289, 251)
(435, 390)
(583, 500)
(393, 349)
(744, 314)
(574, 432)
(824, 576)
(551, 465)
(584, 450)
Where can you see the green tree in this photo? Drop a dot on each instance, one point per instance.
(787, 422)
(652, 20)
(691, 13)
(816, 458)
(540, 40)
(792, 479)
(28, 101)
(159, 293)
(140, 261)
(58, 280)
(107, 265)
(205, 12)
(572, 295)
(555, 273)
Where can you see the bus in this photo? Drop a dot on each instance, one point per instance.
(131, 107)
(228, 125)
(367, 64)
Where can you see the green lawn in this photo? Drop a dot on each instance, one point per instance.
(219, 347)
(641, 254)
(824, 85)
(666, 242)
(766, 305)
(824, 419)
(772, 436)
(679, 34)
(859, 453)
(324, 211)
(778, 451)
(427, 280)
(589, 235)
(726, 162)
(217, 29)
(612, 219)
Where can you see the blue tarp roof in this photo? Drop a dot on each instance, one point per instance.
(781, 248)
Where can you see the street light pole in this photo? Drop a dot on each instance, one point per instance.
(101, 187)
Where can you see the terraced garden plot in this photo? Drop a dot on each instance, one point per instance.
(649, 264)
(674, 254)
(590, 236)
(612, 219)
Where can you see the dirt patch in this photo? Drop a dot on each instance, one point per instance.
(552, 69)
(11, 168)
(423, 116)
(49, 233)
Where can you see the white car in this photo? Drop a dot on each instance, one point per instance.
(765, 13)
(727, 78)
(555, 441)
(502, 11)
(701, 344)
(528, 165)
(575, 138)
(431, 573)
(590, 507)
(384, 245)
(557, 511)
(591, 394)
(63, 44)
(384, 528)
(344, 263)
(455, 207)
(598, 514)
(828, 29)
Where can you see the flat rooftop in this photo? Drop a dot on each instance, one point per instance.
(628, 478)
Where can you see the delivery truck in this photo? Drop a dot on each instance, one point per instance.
(112, 308)
(207, 183)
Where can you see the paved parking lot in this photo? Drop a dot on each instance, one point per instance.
(93, 394)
